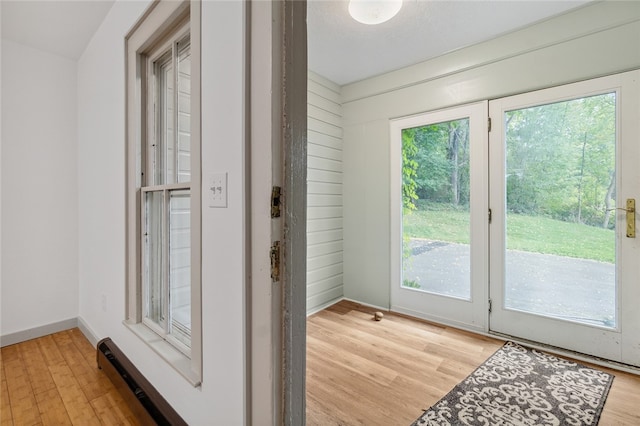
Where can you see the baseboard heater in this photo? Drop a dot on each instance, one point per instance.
(144, 400)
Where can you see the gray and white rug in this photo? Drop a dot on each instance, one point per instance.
(520, 386)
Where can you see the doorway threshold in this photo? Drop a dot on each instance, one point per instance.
(565, 353)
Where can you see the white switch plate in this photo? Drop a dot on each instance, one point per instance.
(217, 190)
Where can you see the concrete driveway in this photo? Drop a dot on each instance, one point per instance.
(577, 289)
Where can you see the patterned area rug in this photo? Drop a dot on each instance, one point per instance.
(520, 386)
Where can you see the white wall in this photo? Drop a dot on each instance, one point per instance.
(39, 189)
(101, 156)
(596, 40)
(324, 189)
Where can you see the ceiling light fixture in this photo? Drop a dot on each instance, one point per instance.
(372, 12)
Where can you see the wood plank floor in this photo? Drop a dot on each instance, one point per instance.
(359, 372)
(54, 380)
(363, 372)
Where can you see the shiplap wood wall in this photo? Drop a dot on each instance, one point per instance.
(324, 194)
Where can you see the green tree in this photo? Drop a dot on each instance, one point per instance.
(560, 159)
(409, 170)
(436, 163)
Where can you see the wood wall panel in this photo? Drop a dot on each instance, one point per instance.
(324, 248)
(323, 139)
(324, 193)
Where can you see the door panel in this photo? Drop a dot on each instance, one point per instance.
(439, 211)
(562, 269)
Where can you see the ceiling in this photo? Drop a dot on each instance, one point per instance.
(61, 27)
(345, 51)
(340, 48)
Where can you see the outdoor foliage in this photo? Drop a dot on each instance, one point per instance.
(561, 160)
(409, 170)
(436, 164)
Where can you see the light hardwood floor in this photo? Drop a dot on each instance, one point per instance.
(54, 380)
(363, 372)
(359, 372)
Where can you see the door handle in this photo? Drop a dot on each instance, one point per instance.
(631, 218)
(630, 209)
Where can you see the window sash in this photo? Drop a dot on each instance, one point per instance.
(168, 63)
(160, 261)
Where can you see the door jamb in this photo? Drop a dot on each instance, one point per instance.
(294, 235)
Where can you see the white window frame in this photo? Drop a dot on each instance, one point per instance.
(162, 19)
(166, 48)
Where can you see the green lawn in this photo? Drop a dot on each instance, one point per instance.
(526, 233)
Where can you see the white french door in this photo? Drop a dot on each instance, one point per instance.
(522, 230)
(564, 162)
(440, 273)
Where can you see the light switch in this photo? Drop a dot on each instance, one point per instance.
(217, 190)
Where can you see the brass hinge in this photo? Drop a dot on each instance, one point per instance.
(489, 124)
(490, 215)
(489, 305)
(275, 202)
(275, 261)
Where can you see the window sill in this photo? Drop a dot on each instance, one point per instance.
(179, 361)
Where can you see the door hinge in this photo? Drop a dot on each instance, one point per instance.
(488, 124)
(275, 261)
(490, 215)
(489, 305)
(275, 202)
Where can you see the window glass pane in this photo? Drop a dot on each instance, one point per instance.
(184, 111)
(153, 256)
(163, 148)
(180, 265)
(561, 182)
(435, 221)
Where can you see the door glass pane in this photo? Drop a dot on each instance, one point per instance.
(561, 185)
(153, 256)
(435, 197)
(180, 265)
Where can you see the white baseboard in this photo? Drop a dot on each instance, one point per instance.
(88, 332)
(324, 306)
(34, 333)
(340, 299)
(379, 308)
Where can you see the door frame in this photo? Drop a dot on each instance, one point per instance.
(494, 261)
(275, 155)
